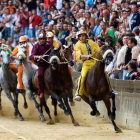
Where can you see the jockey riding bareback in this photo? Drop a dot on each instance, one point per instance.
(85, 50)
(22, 43)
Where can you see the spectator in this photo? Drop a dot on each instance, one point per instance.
(7, 22)
(107, 32)
(132, 66)
(18, 34)
(24, 20)
(11, 6)
(135, 49)
(135, 19)
(35, 20)
(16, 21)
(136, 33)
(2, 32)
(50, 20)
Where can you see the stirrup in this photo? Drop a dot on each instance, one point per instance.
(77, 97)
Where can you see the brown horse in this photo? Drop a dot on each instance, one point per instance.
(55, 82)
(96, 87)
(67, 58)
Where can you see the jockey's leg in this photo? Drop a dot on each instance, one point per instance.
(20, 86)
(41, 83)
(14, 68)
(87, 65)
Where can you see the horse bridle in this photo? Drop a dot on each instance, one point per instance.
(63, 55)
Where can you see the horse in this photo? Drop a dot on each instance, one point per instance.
(55, 82)
(28, 73)
(8, 81)
(96, 87)
(67, 59)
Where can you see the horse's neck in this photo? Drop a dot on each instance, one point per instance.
(100, 68)
(53, 73)
(7, 73)
(65, 71)
(27, 68)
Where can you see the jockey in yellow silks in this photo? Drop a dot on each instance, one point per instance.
(22, 42)
(85, 50)
(50, 37)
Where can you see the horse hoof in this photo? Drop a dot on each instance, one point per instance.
(92, 113)
(25, 106)
(72, 103)
(0, 107)
(67, 113)
(57, 120)
(43, 120)
(97, 113)
(15, 114)
(118, 130)
(51, 122)
(21, 119)
(76, 124)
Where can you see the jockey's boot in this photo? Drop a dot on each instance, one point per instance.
(20, 90)
(41, 95)
(77, 97)
(112, 94)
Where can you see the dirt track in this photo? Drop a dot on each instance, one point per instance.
(95, 128)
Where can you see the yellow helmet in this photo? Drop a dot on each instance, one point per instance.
(81, 32)
(22, 39)
(49, 34)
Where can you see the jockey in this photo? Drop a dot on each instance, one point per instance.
(84, 49)
(43, 47)
(22, 43)
(9, 50)
(50, 37)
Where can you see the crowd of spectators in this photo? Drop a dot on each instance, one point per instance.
(108, 22)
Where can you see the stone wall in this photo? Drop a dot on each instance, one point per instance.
(127, 103)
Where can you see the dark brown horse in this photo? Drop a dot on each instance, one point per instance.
(96, 87)
(55, 82)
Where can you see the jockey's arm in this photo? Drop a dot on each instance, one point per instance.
(14, 53)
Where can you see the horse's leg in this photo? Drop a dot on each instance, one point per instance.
(92, 104)
(25, 102)
(8, 94)
(15, 94)
(54, 103)
(36, 105)
(113, 105)
(47, 111)
(71, 98)
(61, 102)
(108, 106)
(0, 98)
(69, 109)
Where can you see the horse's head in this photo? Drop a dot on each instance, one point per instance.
(5, 58)
(54, 58)
(21, 54)
(105, 54)
(67, 55)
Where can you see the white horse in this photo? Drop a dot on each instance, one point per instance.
(8, 81)
(28, 73)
